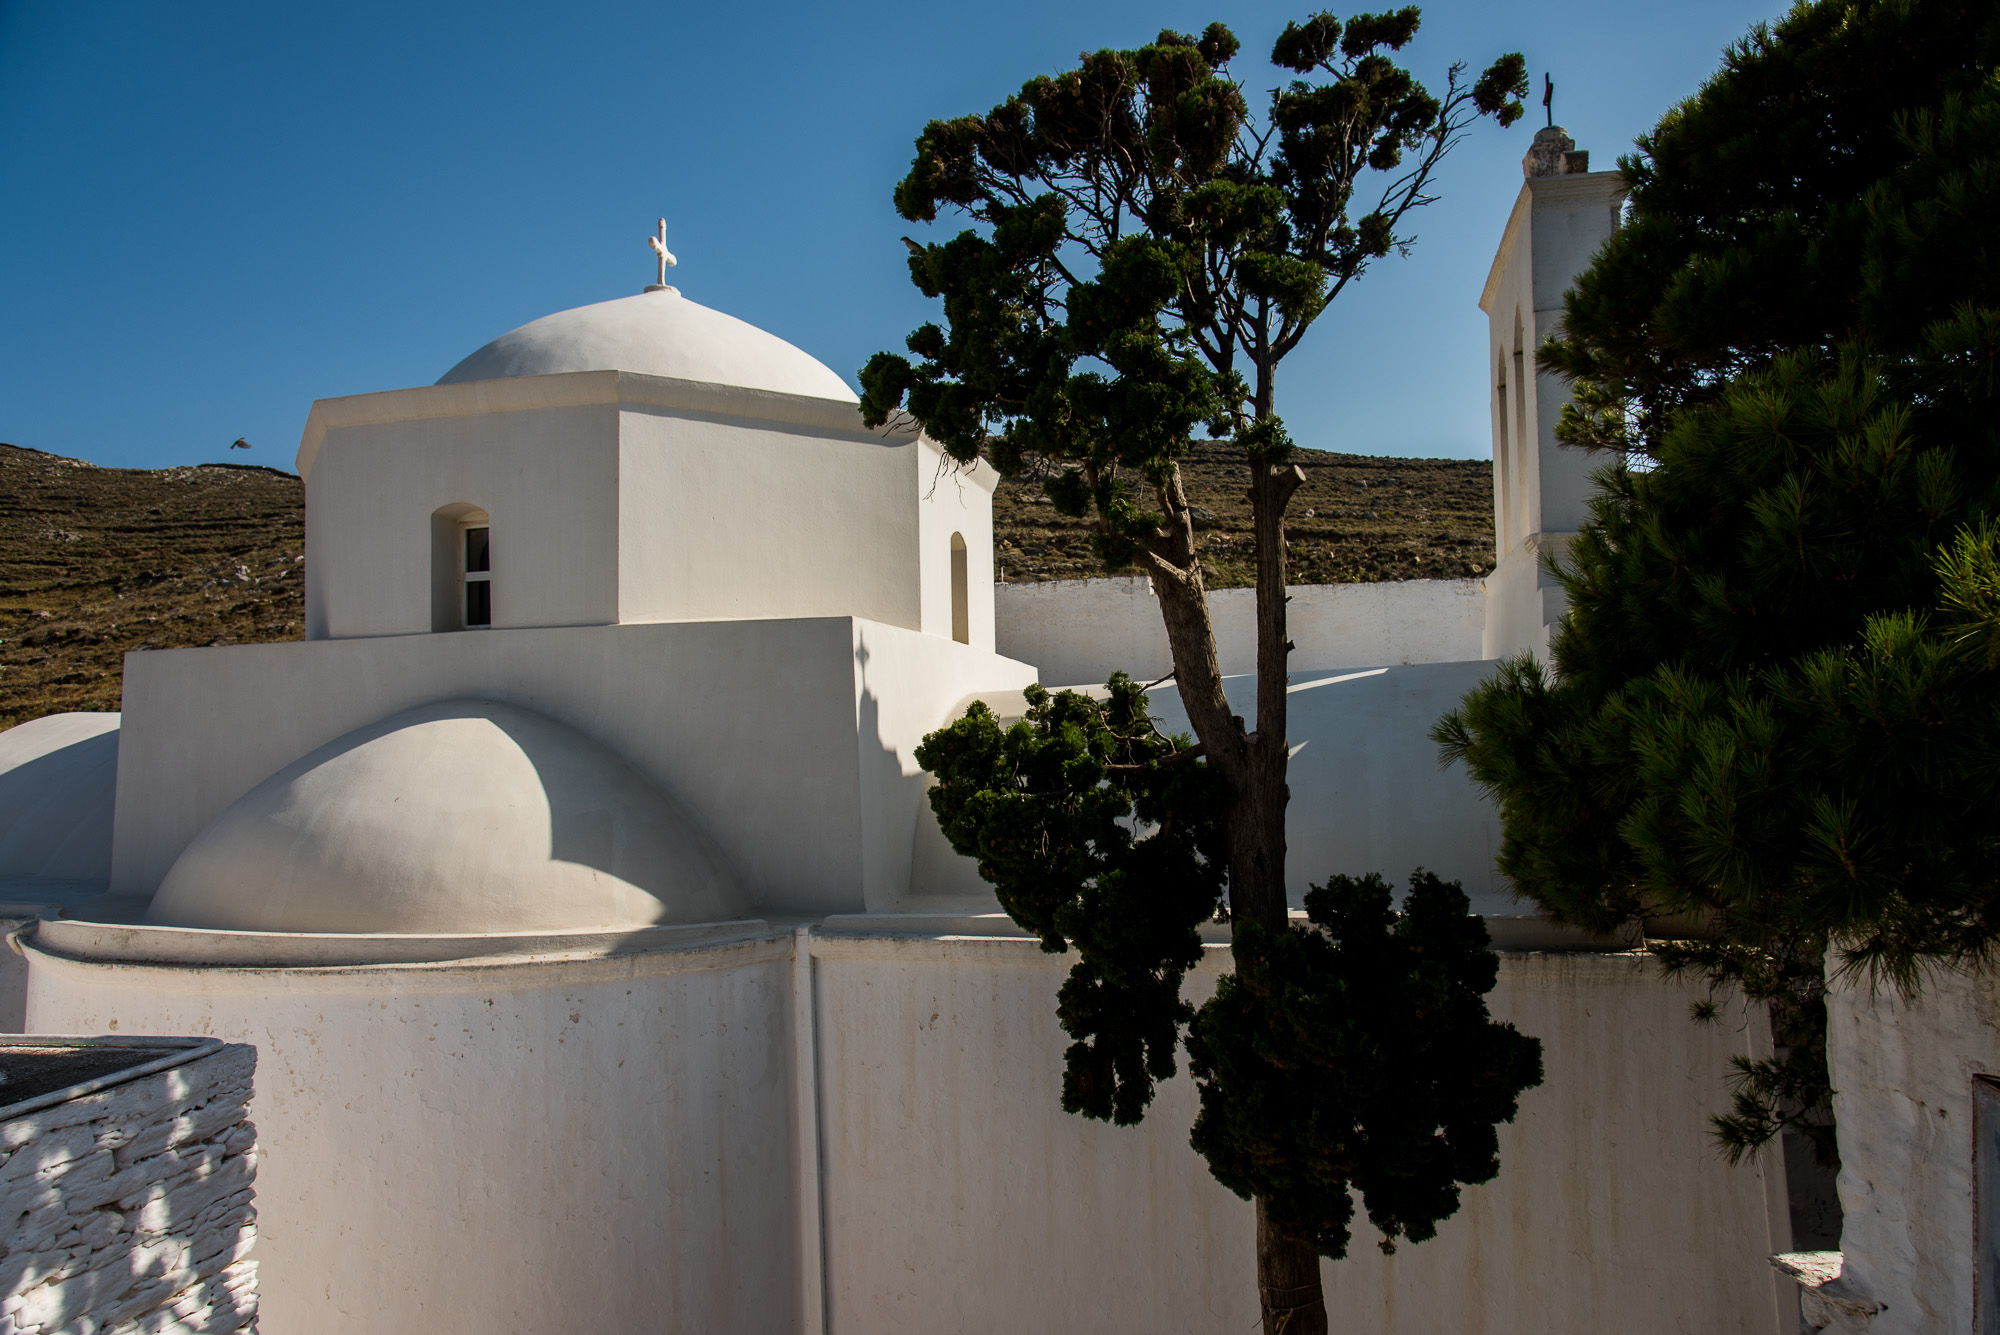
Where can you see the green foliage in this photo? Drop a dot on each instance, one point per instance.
(1357, 1055)
(1354, 1054)
(1053, 809)
(1773, 704)
(1764, 218)
(1788, 1091)
(1147, 252)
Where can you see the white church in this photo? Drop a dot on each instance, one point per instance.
(575, 882)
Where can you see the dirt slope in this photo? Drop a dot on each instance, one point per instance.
(1357, 519)
(96, 561)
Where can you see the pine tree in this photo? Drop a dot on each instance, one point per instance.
(1773, 704)
(1145, 254)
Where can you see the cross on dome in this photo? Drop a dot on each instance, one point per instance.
(667, 260)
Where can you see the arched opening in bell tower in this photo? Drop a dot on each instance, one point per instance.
(961, 596)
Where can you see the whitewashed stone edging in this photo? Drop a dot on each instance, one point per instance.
(128, 1201)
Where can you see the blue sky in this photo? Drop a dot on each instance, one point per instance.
(216, 213)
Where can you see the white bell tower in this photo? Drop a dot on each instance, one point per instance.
(1564, 213)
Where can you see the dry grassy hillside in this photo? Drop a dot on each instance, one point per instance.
(1357, 519)
(97, 561)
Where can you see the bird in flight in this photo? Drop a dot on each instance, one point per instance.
(240, 444)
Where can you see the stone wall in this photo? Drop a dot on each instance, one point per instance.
(1078, 632)
(129, 1209)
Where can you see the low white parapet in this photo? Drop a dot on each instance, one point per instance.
(1079, 632)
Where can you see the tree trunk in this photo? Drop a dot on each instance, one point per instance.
(1288, 1282)
(1254, 764)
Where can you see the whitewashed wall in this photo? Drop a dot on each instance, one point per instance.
(958, 1195)
(1902, 1076)
(951, 500)
(615, 1143)
(1079, 632)
(759, 728)
(454, 1149)
(617, 497)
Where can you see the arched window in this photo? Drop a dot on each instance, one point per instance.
(961, 598)
(461, 568)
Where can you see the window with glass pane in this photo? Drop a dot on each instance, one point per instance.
(478, 577)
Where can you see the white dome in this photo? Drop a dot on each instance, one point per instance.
(465, 816)
(58, 776)
(656, 333)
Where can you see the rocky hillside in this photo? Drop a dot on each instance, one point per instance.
(1357, 519)
(98, 561)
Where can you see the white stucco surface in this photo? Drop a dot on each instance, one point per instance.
(546, 476)
(1367, 791)
(462, 816)
(582, 1141)
(1902, 1074)
(618, 497)
(58, 778)
(780, 738)
(654, 333)
(1079, 632)
(1540, 488)
(583, 1144)
(955, 500)
(1524, 602)
(959, 1197)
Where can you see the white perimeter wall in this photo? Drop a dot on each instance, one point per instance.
(958, 1196)
(592, 1145)
(613, 1144)
(1902, 1077)
(1078, 632)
